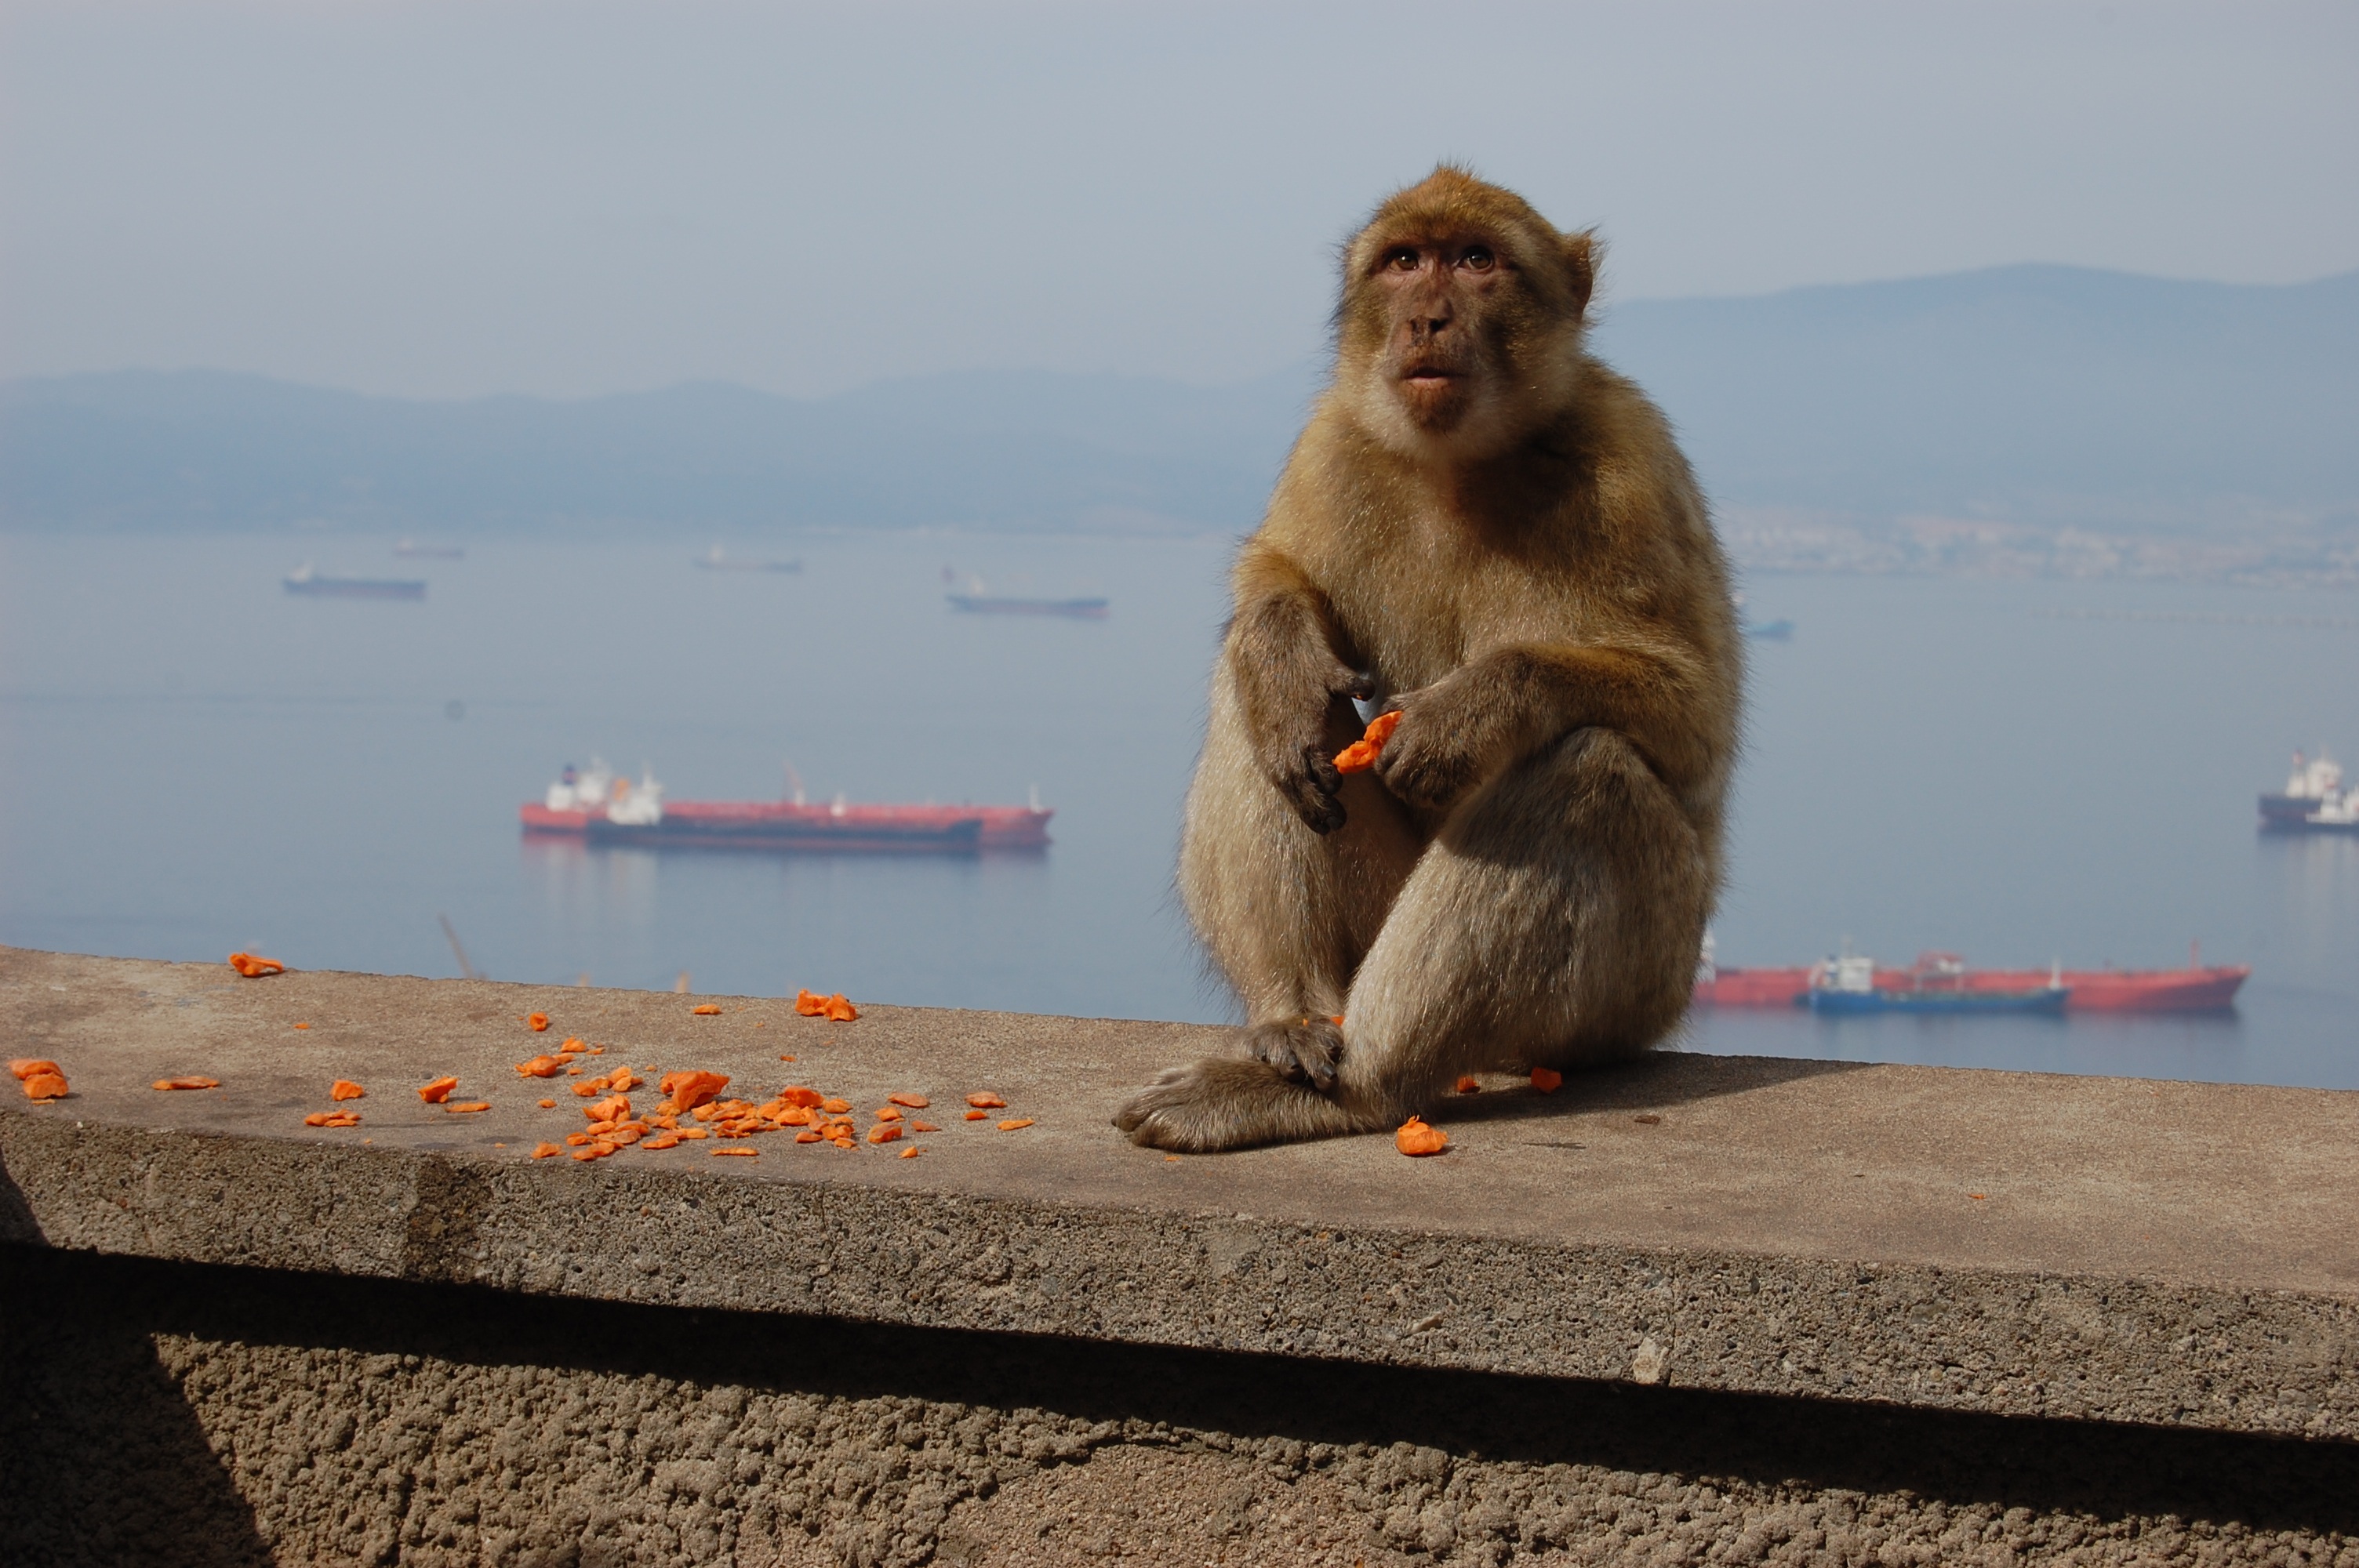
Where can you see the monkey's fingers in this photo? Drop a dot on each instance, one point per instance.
(1315, 792)
(1303, 1049)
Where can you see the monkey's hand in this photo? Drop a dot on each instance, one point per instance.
(1288, 710)
(1448, 740)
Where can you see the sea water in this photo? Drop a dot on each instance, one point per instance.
(193, 760)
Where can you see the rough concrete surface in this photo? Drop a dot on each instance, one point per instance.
(171, 1413)
(2011, 1243)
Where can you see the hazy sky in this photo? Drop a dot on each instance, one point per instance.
(438, 199)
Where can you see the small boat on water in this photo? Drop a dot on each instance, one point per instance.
(975, 599)
(712, 560)
(306, 579)
(2198, 988)
(410, 550)
(597, 808)
(2314, 800)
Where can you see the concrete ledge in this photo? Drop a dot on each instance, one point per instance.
(2169, 1254)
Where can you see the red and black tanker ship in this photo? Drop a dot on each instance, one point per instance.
(599, 808)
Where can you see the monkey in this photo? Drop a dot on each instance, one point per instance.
(1485, 528)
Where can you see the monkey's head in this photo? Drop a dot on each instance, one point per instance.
(1459, 328)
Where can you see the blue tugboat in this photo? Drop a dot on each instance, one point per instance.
(1937, 984)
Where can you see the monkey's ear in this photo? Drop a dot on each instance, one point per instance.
(1581, 252)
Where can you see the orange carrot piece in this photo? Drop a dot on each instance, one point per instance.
(1360, 754)
(706, 1009)
(923, 1127)
(915, 1102)
(795, 1094)
(536, 1022)
(438, 1091)
(574, 1044)
(253, 966)
(344, 1088)
(749, 1153)
(661, 1141)
(332, 1119)
(302, 1026)
(46, 1086)
(888, 1113)
(1468, 1086)
(690, 1090)
(592, 1153)
(844, 1144)
(841, 1010)
(978, 1116)
(543, 1151)
(189, 1081)
(1012, 1126)
(835, 1107)
(465, 1106)
(24, 1068)
(986, 1100)
(1415, 1138)
(885, 1132)
(811, 1005)
(614, 1108)
(911, 1153)
(541, 1066)
(810, 1135)
(1546, 1080)
(546, 1104)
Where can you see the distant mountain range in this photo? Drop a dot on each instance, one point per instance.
(2038, 395)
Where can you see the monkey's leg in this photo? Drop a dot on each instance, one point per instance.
(1554, 920)
(1286, 914)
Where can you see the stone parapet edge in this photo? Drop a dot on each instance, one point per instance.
(2038, 1344)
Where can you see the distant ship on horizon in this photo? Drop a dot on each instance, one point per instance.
(2314, 800)
(309, 580)
(976, 599)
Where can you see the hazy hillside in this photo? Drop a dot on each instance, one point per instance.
(2038, 394)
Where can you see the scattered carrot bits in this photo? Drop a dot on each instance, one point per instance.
(662, 1140)
(885, 1132)
(810, 1135)
(707, 1009)
(1468, 1086)
(438, 1091)
(888, 1113)
(1415, 1138)
(1546, 1080)
(986, 1100)
(543, 1151)
(254, 967)
(923, 1127)
(835, 1107)
(690, 1090)
(191, 1081)
(23, 1067)
(749, 1153)
(795, 1094)
(546, 1104)
(614, 1108)
(840, 1010)
(536, 1022)
(541, 1066)
(1360, 754)
(459, 1106)
(344, 1088)
(978, 1116)
(1012, 1126)
(575, 1044)
(911, 1153)
(594, 1151)
(915, 1102)
(333, 1119)
(45, 1085)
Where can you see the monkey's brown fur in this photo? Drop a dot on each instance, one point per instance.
(1490, 530)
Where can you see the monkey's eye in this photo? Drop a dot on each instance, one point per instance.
(1401, 258)
(1478, 258)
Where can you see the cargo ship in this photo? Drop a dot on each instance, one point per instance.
(2195, 989)
(304, 579)
(975, 599)
(712, 560)
(597, 808)
(1936, 983)
(2314, 800)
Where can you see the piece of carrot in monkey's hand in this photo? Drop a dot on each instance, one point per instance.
(1360, 754)
(1415, 1138)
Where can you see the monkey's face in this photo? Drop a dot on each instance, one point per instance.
(1461, 320)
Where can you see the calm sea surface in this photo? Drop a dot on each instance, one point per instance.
(192, 761)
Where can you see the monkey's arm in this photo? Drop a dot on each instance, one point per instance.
(1484, 715)
(1280, 659)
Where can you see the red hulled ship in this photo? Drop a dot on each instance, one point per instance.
(599, 808)
(2195, 989)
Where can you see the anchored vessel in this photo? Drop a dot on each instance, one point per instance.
(594, 805)
(712, 560)
(1936, 983)
(2314, 800)
(305, 579)
(2195, 989)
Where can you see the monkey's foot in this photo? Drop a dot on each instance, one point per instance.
(1227, 1104)
(1299, 1049)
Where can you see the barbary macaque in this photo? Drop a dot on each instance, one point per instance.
(1487, 530)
